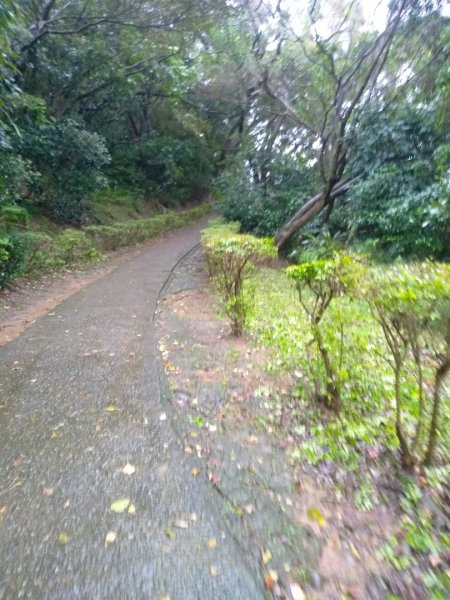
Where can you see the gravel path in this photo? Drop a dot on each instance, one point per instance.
(79, 400)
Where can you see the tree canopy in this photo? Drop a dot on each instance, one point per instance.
(310, 119)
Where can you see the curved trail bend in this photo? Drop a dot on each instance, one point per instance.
(79, 399)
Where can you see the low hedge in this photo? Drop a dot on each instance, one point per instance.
(33, 253)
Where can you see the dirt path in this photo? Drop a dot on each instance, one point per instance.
(97, 499)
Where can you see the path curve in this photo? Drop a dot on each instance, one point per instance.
(79, 399)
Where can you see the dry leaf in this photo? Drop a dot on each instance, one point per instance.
(266, 555)
(193, 517)
(169, 533)
(48, 491)
(213, 570)
(270, 579)
(120, 505)
(128, 469)
(296, 592)
(132, 509)
(110, 409)
(212, 543)
(110, 537)
(63, 538)
(181, 524)
(195, 471)
(162, 416)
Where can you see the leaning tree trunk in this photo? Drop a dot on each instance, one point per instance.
(309, 210)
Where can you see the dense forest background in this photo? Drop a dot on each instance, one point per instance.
(273, 108)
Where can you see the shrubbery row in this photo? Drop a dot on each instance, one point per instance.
(410, 304)
(30, 253)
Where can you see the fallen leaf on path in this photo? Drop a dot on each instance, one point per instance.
(266, 555)
(296, 592)
(54, 434)
(132, 509)
(214, 479)
(213, 570)
(315, 515)
(169, 533)
(163, 597)
(63, 538)
(110, 537)
(195, 471)
(128, 469)
(3, 511)
(110, 409)
(270, 579)
(120, 505)
(193, 517)
(48, 491)
(212, 543)
(162, 416)
(16, 463)
(181, 524)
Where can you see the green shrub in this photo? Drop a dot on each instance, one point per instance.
(12, 215)
(41, 254)
(231, 259)
(12, 258)
(74, 247)
(107, 238)
(412, 305)
(317, 283)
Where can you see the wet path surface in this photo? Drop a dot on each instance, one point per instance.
(79, 399)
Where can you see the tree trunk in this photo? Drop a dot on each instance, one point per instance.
(309, 210)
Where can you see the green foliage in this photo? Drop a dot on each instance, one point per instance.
(35, 253)
(11, 259)
(317, 283)
(231, 259)
(263, 202)
(412, 305)
(12, 215)
(41, 253)
(16, 173)
(402, 198)
(357, 350)
(167, 167)
(70, 160)
(74, 247)
(128, 233)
